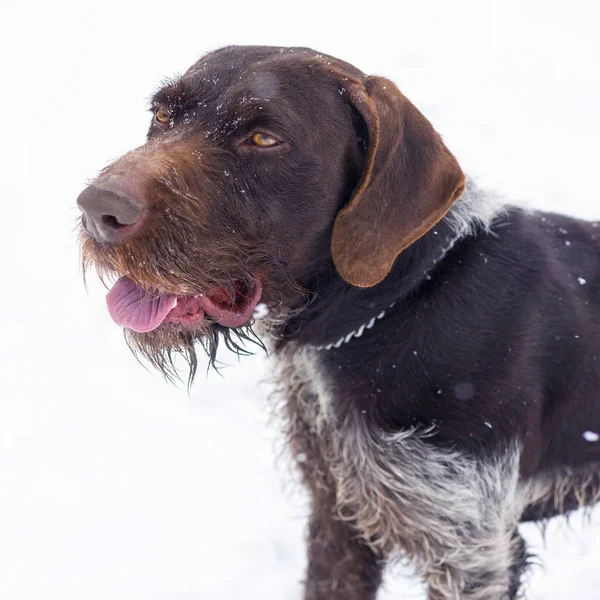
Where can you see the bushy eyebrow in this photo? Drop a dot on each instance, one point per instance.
(170, 91)
(159, 98)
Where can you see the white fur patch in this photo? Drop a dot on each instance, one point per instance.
(555, 487)
(453, 517)
(476, 209)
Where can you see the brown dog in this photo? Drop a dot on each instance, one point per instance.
(439, 354)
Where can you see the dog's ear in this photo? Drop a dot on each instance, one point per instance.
(409, 182)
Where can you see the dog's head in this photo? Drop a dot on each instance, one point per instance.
(262, 168)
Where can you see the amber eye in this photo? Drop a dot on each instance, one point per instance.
(161, 115)
(264, 140)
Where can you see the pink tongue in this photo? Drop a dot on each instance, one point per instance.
(131, 307)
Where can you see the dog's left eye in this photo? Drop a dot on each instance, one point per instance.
(162, 115)
(263, 140)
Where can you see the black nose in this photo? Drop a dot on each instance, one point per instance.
(109, 216)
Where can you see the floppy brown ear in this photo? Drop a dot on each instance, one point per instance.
(410, 181)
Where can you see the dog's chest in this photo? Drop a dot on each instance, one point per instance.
(390, 486)
(308, 395)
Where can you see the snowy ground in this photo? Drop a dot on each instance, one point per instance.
(115, 486)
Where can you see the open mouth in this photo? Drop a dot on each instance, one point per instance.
(134, 308)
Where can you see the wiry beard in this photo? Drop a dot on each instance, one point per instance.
(185, 270)
(161, 346)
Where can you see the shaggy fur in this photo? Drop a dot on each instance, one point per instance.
(394, 488)
(437, 351)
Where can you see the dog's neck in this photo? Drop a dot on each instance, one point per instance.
(340, 312)
(356, 333)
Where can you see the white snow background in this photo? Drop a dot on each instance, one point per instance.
(117, 486)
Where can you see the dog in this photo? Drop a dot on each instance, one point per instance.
(437, 350)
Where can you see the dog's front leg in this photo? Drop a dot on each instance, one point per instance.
(340, 565)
